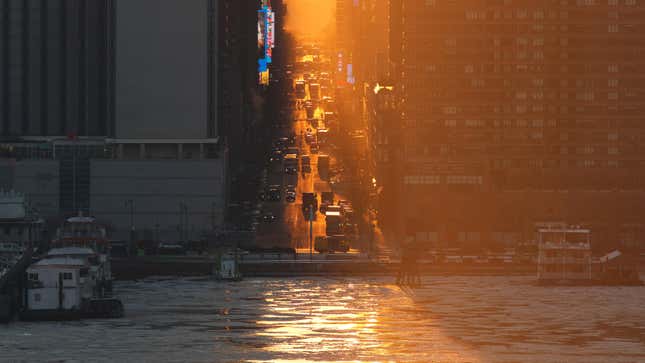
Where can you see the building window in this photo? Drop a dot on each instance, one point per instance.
(422, 179)
(468, 236)
(33, 276)
(464, 179)
(585, 150)
(67, 275)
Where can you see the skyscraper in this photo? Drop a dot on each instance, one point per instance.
(138, 82)
(166, 69)
(517, 113)
(54, 66)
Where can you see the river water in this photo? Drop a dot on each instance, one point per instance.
(449, 319)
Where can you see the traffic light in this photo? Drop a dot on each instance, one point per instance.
(309, 205)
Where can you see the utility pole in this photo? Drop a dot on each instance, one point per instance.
(130, 204)
(74, 209)
(311, 234)
(213, 222)
(183, 221)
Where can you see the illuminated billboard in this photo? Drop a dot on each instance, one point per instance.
(264, 78)
(266, 39)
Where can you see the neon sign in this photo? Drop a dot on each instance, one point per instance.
(266, 40)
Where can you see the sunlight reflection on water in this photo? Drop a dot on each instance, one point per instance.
(450, 319)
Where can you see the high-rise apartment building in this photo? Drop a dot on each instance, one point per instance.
(517, 113)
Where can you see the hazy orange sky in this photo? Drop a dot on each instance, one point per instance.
(310, 17)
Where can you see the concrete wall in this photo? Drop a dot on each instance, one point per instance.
(39, 180)
(162, 69)
(158, 187)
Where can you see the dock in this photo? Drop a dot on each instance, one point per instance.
(300, 264)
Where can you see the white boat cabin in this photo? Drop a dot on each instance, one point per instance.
(56, 284)
(63, 280)
(564, 254)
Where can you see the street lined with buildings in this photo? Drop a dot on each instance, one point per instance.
(322, 180)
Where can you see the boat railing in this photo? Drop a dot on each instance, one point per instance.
(81, 235)
(565, 260)
(33, 284)
(565, 245)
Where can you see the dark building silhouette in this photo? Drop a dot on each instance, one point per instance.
(238, 55)
(517, 113)
(108, 103)
(55, 58)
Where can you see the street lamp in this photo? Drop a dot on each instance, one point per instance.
(213, 221)
(130, 204)
(183, 220)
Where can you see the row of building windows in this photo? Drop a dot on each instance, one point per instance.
(564, 163)
(532, 12)
(448, 179)
(582, 124)
(531, 68)
(520, 164)
(626, 238)
(592, 110)
(507, 238)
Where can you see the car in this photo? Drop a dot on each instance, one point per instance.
(273, 193)
(292, 139)
(276, 156)
(293, 150)
(309, 137)
(291, 196)
(314, 147)
(283, 142)
(269, 218)
(305, 161)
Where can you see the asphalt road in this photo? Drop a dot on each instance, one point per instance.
(290, 228)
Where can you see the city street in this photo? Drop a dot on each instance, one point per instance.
(291, 229)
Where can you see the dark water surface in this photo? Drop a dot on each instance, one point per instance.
(449, 319)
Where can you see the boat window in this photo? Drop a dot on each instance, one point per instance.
(576, 268)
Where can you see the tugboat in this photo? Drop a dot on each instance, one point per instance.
(229, 269)
(85, 232)
(74, 279)
(21, 232)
